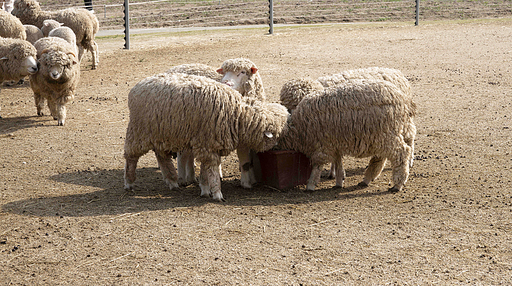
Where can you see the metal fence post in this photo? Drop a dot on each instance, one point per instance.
(271, 16)
(126, 25)
(417, 12)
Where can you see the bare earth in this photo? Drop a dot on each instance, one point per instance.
(66, 220)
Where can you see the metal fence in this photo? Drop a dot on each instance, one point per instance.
(207, 13)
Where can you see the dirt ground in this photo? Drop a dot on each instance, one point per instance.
(66, 220)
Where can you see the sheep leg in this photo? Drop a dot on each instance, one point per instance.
(166, 166)
(340, 172)
(186, 170)
(129, 171)
(39, 100)
(209, 179)
(95, 58)
(314, 178)
(61, 114)
(401, 161)
(246, 167)
(53, 108)
(332, 172)
(373, 170)
(80, 52)
(203, 182)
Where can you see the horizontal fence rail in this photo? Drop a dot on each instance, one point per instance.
(209, 13)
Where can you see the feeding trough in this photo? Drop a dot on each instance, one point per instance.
(282, 169)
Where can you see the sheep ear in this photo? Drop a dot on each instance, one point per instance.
(269, 134)
(4, 58)
(254, 70)
(220, 71)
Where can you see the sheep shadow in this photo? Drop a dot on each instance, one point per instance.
(9, 125)
(152, 194)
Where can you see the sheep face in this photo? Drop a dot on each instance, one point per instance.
(57, 66)
(236, 79)
(29, 8)
(28, 65)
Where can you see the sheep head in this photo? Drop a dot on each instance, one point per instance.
(242, 75)
(27, 66)
(57, 64)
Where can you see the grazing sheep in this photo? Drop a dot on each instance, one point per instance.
(81, 21)
(242, 75)
(17, 59)
(294, 90)
(33, 33)
(57, 78)
(393, 76)
(185, 158)
(49, 25)
(11, 27)
(173, 112)
(360, 118)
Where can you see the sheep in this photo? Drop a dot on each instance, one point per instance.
(49, 25)
(11, 27)
(185, 158)
(81, 21)
(242, 75)
(65, 33)
(294, 90)
(197, 69)
(170, 112)
(360, 118)
(57, 78)
(33, 33)
(17, 59)
(393, 76)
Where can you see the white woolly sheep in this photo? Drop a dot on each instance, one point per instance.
(49, 25)
(33, 33)
(360, 118)
(81, 21)
(242, 75)
(17, 59)
(11, 27)
(57, 78)
(185, 158)
(294, 90)
(173, 112)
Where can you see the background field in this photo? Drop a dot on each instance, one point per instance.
(65, 218)
(211, 13)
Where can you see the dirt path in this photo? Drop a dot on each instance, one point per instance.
(65, 218)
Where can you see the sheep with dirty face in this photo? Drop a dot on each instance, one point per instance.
(84, 24)
(173, 112)
(361, 118)
(17, 59)
(57, 78)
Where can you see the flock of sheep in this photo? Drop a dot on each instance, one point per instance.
(47, 47)
(195, 111)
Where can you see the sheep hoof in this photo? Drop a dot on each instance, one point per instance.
(218, 197)
(363, 184)
(40, 114)
(128, 187)
(393, 190)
